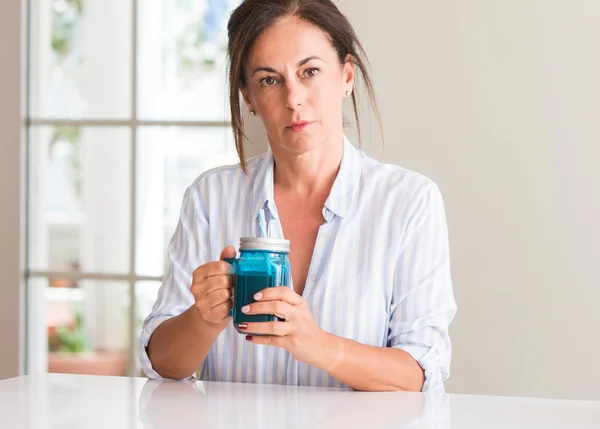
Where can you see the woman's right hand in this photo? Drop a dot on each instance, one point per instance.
(212, 287)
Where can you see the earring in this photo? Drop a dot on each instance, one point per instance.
(253, 112)
(347, 93)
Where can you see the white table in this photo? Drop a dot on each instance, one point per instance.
(75, 401)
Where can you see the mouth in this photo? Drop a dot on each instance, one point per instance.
(299, 126)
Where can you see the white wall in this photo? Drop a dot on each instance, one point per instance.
(10, 186)
(499, 103)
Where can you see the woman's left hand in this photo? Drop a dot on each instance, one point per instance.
(299, 334)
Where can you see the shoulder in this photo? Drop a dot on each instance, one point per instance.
(214, 189)
(396, 181)
(409, 198)
(226, 178)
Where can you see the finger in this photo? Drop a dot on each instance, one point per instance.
(211, 284)
(281, 293)
(218, 297)
(221, 311)
(227, 252)
(280, 309)
(277, 329)
(267, 340)
(212, 269)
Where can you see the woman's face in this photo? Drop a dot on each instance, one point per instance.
(296, 83)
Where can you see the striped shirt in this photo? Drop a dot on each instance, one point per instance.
(379, 274)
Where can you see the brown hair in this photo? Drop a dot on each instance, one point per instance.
(252, 17)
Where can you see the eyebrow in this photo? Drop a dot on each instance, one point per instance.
(300, 64)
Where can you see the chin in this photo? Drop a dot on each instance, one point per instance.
(302, 143)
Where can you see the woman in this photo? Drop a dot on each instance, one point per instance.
(372, 297)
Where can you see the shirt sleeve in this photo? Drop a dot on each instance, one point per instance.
(186, 251)
(423, 302)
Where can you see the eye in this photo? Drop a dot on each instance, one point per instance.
(268, 81)
(312, 72)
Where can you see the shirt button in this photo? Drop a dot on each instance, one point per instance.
(314, 279)
(327, 212)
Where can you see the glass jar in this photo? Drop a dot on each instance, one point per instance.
(263, 263)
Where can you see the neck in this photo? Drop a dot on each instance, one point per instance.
(309, 173)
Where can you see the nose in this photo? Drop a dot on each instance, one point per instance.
(295, 95)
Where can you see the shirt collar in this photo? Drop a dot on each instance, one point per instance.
(346, 183)
(342, 192)
(262, 180)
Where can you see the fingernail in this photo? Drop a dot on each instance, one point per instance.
(258, 296)
(245, 308)
(242, 326)
(248, 337)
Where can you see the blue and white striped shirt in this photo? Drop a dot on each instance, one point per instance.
(379, 275)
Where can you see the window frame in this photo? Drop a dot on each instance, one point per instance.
(133, 124)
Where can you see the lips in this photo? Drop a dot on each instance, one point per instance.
(298, 126)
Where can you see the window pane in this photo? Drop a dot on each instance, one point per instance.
(182, 48)
(88, 327)
(169, 159)
(145, 296)
(79, 200)
(81, 58)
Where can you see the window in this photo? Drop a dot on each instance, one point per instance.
(128, 104)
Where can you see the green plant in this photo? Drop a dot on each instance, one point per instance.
(73, 339)
(72, 136)
(199, 47)
(65, 16)
(194, 56)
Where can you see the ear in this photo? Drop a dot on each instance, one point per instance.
(348, 73)
(246, 97)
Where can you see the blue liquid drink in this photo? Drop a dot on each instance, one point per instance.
(263, 263)
(248, 285)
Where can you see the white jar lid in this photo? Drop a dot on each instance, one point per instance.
(262, 243)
